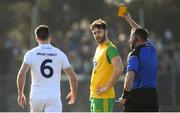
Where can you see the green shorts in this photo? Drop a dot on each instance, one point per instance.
(102, 104)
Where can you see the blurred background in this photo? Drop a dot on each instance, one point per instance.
(69, 22)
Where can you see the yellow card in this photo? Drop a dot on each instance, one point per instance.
(122, 10)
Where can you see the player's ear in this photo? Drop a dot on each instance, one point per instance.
(36, 39)
(138, 38)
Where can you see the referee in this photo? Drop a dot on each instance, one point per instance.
(139, 94)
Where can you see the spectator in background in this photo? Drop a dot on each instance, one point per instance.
(6, 57)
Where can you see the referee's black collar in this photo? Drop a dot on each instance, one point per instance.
(146, 44)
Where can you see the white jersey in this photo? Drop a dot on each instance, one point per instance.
(46, 63)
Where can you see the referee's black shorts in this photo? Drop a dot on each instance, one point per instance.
(142, 100)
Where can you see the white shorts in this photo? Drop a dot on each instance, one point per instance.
(45, 105)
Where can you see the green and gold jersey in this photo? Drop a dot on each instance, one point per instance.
(103, 69)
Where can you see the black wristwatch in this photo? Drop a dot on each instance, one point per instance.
(125, 94)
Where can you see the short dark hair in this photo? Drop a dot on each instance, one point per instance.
(141, 33)
(42, 32)
(99, 23)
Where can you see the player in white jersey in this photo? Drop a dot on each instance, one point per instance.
(46, 63)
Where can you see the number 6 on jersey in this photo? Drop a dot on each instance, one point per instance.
(44, 67)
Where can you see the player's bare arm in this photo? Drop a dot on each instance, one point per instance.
(128, 80)
(21, 77)
(131, 22)
(73, 82)
(127, 85)
(118, 69)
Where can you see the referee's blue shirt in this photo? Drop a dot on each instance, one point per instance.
(143, 61)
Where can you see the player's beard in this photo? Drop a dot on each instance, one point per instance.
(102, 40)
